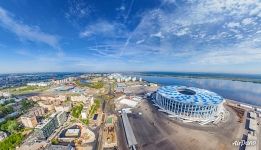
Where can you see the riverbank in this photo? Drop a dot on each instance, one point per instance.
(244, 92)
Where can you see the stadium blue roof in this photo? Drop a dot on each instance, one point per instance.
(194, 95)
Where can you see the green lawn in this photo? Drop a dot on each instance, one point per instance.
(95, 85)
(26, 104)
(94, 107)
(10, 126)
(26, 89)
(109, 120)
(11, 142)
(76, 110)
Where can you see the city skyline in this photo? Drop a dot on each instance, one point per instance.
(130, 35)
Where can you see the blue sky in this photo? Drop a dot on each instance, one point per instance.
(130, 35)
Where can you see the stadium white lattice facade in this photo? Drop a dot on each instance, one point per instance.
(189, 103)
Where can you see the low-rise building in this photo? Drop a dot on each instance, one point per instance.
(37, 111)
(46, 105)
(80, 98)
(49, 98)
(253, 115)
(120, 87)
(86, 108)
(3, 135)
(59, 147)
(2, 101)
(252, 124)
(29, 121)
(64, 107)
(39, 84)
(66, 80)
(54, 98)
(5, 94)
(84, 113)
(251, 142)
(72, 133)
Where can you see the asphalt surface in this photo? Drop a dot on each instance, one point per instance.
(154, 130)
(122, 142)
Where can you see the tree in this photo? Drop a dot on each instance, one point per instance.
(10, 126)
(85, 121)
(26, 104)
(96, 85)
(76, 110)
(55, 141)
(11, 142)
(4, 110)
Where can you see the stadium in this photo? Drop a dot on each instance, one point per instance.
(189, 103)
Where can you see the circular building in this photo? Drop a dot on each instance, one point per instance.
(188, 103)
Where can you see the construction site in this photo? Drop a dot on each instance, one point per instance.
(109, 133)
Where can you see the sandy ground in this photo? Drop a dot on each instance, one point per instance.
(155, 131)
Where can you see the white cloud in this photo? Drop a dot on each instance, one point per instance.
(169, 1)
(237, 8)
(86, 33)
(140, 41)
(216, 25)
(244, 52)
(247, 21)
(159, 35)
(182, 32)
(25, 31)
(239, 36)
(78, 9)
(228, 57)
(121, 8)
(103, 28)
(233, 24)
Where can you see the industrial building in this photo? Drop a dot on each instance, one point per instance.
(188, 103)
(131, 140)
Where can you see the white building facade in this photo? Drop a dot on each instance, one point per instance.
(188, 103)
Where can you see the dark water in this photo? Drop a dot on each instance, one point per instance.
(246, 92)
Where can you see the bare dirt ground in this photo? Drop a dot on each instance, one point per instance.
(154, 130)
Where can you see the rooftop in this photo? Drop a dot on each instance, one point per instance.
(72, 131)
(190, 95)
(128, 130)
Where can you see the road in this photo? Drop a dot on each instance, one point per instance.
(122, 143)
(100, 132)
(258, 133)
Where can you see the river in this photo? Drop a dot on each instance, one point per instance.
(246, 92)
